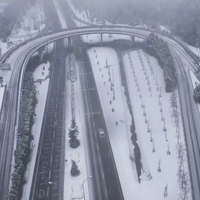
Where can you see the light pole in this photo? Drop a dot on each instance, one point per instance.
(83, 186)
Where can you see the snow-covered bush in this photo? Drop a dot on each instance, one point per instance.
(73, 133)
(22, 152)
(74, 170)
(197, 94)
(158, 48)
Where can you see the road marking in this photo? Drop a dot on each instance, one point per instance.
(98, 146)
(48, 191)
(43, 172)
(85, 73)
(51, 160)
(94, 113)
(106, 193)
(88, 89)
(49, 174)
(56, 170)
(100, 158)
(93, 124)
(103, 175)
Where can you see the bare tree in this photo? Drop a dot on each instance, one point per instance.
(180, 150)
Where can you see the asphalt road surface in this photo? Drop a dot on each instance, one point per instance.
(105, 177)
(48, 168)
(48, 175)
(191, 126)
(109, 185)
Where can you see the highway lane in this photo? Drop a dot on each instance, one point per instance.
(106, 170)
(106, 181)
(46, 183)
(19, 55)
(190, 122)
(8, 129)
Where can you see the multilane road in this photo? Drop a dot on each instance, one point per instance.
(48, 169)
(109, 187)
(21, 55)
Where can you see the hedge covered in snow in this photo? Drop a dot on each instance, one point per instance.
(197, 94)
(22, 151)
(158, 48)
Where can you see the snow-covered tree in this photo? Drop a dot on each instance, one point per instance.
(73, 133)
(162, 53)
(74, 170)
(22, 152)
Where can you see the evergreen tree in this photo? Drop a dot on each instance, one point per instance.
(74, 170)
(73, 133)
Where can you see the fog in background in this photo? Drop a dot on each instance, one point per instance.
(182, 17)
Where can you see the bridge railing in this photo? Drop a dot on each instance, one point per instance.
(10, 51)
(163, 33)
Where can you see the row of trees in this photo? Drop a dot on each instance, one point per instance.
(182, 17)
(12, 15)
(158, 48)
(197, 93)
(182, 174)
(22, 152)
(73, 133)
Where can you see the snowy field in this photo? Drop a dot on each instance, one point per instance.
(156, 146)
(73, 185)
(41, 72)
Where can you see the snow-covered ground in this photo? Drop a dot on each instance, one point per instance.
(163, 28)
(120, 135)
(73, 185)
(42, 89)
(161, 141)
(2, 93)
(195, 50)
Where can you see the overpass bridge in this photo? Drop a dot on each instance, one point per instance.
(18, 58)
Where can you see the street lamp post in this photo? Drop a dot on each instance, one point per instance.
(83, 186)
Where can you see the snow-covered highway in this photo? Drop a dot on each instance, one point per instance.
(18, 60)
